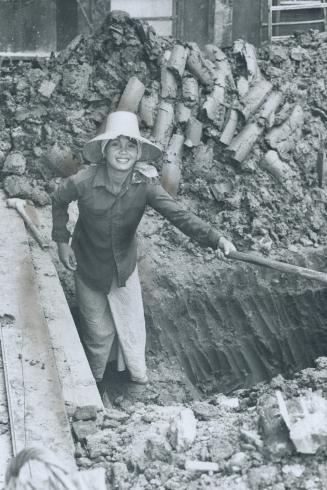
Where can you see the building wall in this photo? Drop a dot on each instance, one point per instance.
(223, 31)
(28, 26)
(247, 20)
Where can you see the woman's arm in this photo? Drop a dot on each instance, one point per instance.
(186, 221)
(65, 193)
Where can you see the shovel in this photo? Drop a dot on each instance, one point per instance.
(279, 266)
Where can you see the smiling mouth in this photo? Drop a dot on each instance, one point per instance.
(122, 160)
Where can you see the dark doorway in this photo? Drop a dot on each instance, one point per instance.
(195, 21)
(247, 20)
(67, 22)
(28, 26)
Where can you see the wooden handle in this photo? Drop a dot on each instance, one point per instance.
(279, 266)
(35, 232)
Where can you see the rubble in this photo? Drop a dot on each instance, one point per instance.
(264, 193)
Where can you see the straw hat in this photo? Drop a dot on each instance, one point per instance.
(121, 123)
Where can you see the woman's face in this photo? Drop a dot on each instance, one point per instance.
(121, 153)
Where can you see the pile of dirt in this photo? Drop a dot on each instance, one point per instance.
(261, 189)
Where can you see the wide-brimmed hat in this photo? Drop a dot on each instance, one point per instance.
(121, 123)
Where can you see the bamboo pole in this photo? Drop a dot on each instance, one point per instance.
(243, 143)
(132, 95)
(168, 84)
(230, 128)
(193, 132)
(278, 135)
(254, 98)
(148, 108)
(275, 166)
(182, 113)
(212, 107)
(321, 165)
(269, 107)
(279, 266)
(171, 171)
(197, 66)
(190, 90)
(177, 60)
(218, 57)
(164, 123)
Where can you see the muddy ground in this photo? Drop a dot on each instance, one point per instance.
(213, 327)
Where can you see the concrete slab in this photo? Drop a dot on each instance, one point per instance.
(36, 405)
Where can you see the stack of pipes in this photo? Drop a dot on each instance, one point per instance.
(198, 99)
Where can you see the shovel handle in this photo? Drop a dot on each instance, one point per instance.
(279, 266)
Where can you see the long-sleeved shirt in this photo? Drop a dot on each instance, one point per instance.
(104, 238)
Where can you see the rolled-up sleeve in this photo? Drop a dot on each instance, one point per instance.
(66, 192)
(187, 222)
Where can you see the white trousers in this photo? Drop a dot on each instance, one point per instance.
(118, 316)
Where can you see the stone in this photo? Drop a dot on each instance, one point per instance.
(40, 196)
(46, 88)
(262, 477)
(84, 462)
(75, 80)
(238, 459)
(23, 140)
(18, 186)
(278, 54)
(2, 158)
(113, 414)
(5, 141)
(321, 363)
(205, 410)
(15, 163)
(251, 437)
(83, 428)
(120, 474)
(88, 412)
(295, 470)
(60, 160)
(182, 430)
(158, 448)
(101, 443)
(297, 53)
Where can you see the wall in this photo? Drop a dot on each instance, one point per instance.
(28, 26)
(247, 20)
(223, 31)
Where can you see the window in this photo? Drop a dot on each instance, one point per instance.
(159, 13)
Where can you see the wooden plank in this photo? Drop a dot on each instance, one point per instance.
(6, 451)
(308, 6)
(77, 382)
(298, 22)
(269, 20)
(36, 406)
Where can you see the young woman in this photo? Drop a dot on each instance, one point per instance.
(112, 196)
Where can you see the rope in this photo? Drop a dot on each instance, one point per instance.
(35, 454)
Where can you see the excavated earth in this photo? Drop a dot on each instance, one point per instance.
(213, 326)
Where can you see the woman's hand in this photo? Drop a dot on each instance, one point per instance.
(224, 247)
(67, 256)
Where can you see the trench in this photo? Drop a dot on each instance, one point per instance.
(232, 326)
